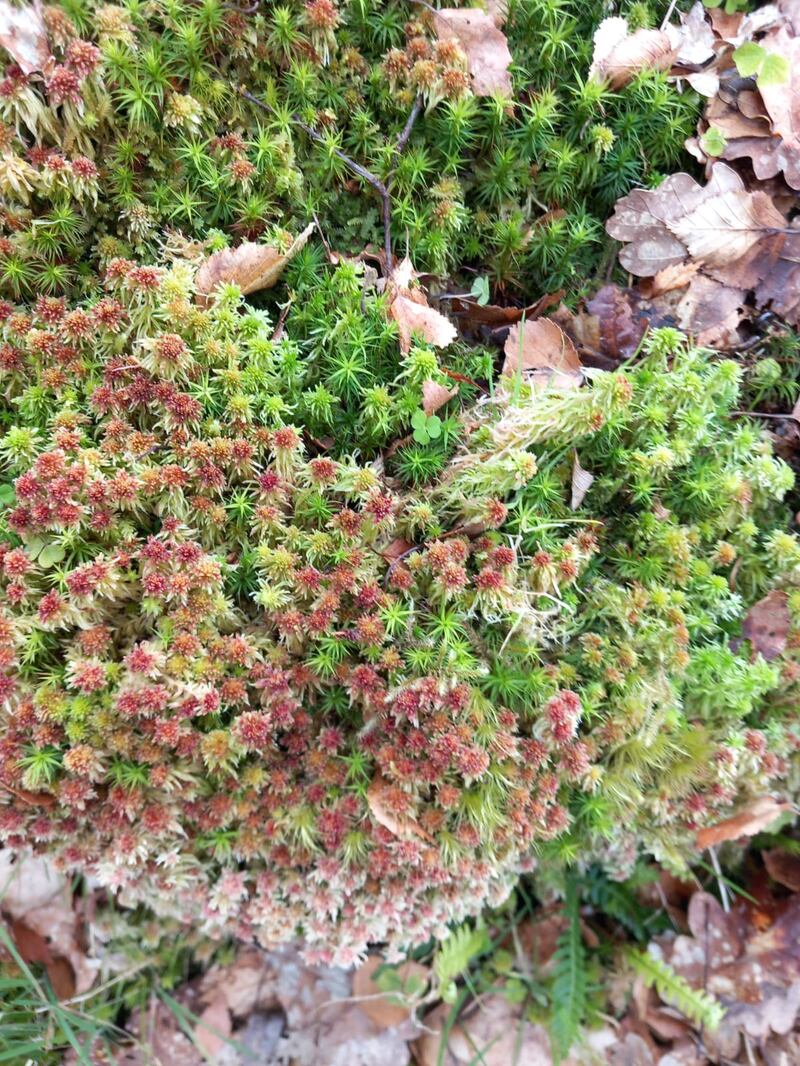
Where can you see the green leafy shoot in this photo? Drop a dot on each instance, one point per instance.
(426, 427)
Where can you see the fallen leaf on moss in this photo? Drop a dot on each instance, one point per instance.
(753, 818)
(24, 36)
(412, 313)
(581, 483)
(767, 624)
(398, 824)
(783, 867)
(619, 55)
(484, 45)
(251, 266)
(435, 396)
(541, 345)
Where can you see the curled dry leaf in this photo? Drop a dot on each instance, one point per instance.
(400, 825)
(24, 36)
(484, 45)
(581, 483)
(412, 313)
(753, 818)
(693, 39)
(251, 266)
(619, 55)
(541, 345)
(767, 624)
(435, 396)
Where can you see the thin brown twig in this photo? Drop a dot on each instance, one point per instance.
(382, 188)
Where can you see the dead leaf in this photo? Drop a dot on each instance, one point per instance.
(385, 1010)
(782, 100)
(723, 228)
(435, 396)
(753, 818)
(484, 45)
(619, 55)
(581, 483)
(214, 1027)
(400, 825)
(672, 277)
(620, 328)
(496, 1031)
(783, 867)
(768, 623)
(412, 313)
(40, 905)
(541, 345)
(23, 34)
(693, 40)
(251, 266)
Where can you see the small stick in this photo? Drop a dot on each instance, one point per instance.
(382, 188)
(723, 888)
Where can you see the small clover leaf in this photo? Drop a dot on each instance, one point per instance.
(480, 290)
(426, 427)
(768, 67)
(748, 58)
(713, 141)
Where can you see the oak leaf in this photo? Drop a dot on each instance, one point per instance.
(484, 45)
(751, 819)
(23, 34)
(251, 266)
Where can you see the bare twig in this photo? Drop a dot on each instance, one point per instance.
(723, 888)
(382, 188)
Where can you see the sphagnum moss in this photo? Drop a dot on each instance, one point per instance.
(228, 692)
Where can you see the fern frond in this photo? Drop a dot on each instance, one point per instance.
(699, 1007)
(456, 953)
(569, 991)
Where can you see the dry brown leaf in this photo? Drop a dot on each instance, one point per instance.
(672, 277)
(435, 396)
(782, 101)
(385, 1010)
(619, 55)
(753, 818)
(484, 45)
(693, 39)
(541, 345)
(400, 825)
(39, 902)
(24, 36)
(723, 228)
(214, 1027)
(582, 481)
(496, 1031)
(783, 867)
(620, 328)
(251, 266)
(412, 313)
(768, 623)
